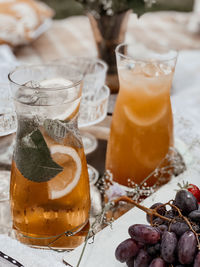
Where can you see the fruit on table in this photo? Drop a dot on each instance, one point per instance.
(179, 228)
(168, 246)
(185, 201)
(187, 246)
(171, 239)
(153, 250)
(195, 191)
(197, 260)
(158, 262)
(144, 233)
(195, 215)
(159, 208)
(127, 249)
(142, 259)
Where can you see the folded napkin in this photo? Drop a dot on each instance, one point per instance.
(29, 257)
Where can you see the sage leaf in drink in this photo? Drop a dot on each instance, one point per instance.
(33, 158)
(64, 132)
(26, 126)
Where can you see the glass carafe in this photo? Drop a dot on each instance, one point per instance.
(50, 199)
(142, 125)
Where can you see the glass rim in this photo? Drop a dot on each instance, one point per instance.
(74, 84)
(174, 57)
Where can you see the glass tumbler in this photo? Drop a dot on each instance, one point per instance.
(142, 124)
(49, 190)
(95, 94)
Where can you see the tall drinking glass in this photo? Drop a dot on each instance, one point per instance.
(142, 125)
(49, 189)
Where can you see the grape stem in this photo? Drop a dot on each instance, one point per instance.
(150, 212)
(187, 221)
(153, 212)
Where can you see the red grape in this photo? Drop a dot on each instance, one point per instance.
(160, 210)
(179, 228)
(197, 260)
(165, 242)
(144, 233)
(126, 249)
(162, 228)
(158, 262)
(194, 215)
(185, 201)
(168, 246)
(152, 251)
(130, 262)
(169, 214)
(196, 228)
(142, 259)
(187, 247)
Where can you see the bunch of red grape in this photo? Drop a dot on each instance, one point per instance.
(172, 239)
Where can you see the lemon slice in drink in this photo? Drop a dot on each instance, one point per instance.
(142, 120)
(66, 181)
(55, 83)
(72, 106)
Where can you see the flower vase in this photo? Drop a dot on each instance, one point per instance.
(109, 31)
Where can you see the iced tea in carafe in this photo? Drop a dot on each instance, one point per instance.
(49, 189)
(142, 124)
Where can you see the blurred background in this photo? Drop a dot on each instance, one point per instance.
(66, 8)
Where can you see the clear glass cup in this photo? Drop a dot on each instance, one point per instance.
(142, 124)
(93, 109)
(95, 95)
(94, 72)
(49, 191)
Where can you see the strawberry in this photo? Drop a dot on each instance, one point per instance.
(195, 191)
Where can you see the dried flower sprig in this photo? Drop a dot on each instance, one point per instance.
(100, 220)
(172, 164)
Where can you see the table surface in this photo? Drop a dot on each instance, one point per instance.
(73, 36)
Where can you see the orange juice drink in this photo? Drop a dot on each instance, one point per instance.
(49, 190)
(142, 124)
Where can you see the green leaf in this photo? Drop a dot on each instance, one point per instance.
(33, 158)
(64, 132)
(26, 126)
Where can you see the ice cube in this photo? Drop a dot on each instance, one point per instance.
(32, 84)
(166, 69)
(152, 70)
